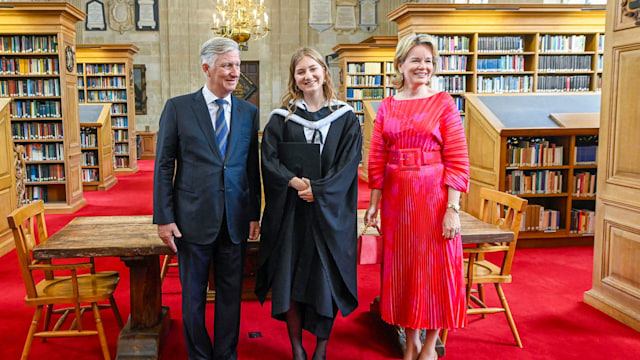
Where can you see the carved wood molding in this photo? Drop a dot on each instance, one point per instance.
(19, 158)
(631, 8)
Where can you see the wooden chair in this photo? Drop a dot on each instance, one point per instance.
(29, 229)
(168, 262)
(505, 211)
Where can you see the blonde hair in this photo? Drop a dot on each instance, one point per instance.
(293, 93)
(405, 45)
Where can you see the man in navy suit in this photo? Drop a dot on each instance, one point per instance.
(206, 196)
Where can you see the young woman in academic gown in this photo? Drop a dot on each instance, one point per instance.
(309, 227)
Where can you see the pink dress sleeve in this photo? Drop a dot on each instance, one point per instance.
(455, 155)
(378, 150)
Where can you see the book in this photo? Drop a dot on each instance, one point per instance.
(302, 159)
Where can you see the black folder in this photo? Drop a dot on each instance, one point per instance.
(303, 159)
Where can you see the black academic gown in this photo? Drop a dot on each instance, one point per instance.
(308, 250)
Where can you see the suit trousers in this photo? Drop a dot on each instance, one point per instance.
(194, 261)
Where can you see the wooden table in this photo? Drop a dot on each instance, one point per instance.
(135, 240)
(473, 231)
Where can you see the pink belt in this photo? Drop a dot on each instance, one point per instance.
(412, 159)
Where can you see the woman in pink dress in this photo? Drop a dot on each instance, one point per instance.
(418, 165)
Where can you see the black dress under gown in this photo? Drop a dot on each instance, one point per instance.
(308, 250)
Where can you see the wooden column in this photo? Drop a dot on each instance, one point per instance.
(616, 260)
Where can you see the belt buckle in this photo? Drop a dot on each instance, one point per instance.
(409, 159)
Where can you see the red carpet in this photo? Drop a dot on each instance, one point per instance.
(546, 300)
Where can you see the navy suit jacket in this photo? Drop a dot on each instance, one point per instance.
(206, 187)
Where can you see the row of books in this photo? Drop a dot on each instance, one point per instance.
(500, 43)
(584, 184)
(119, 82)
(33, 109)
(102, 69)
(453, 43)
(600, 62)
(459, 101)
(88, 138)
(520, 182)
(107, 95)
(586, 155)
(452, 63)
(119, 121)
(583, 221)
(562, 43)
(118, 109)
(364, 80)
(45, 172)
(356, 105)
(365, 68)
(537, 218)
(449, 83)
(90, 175)
(543, 153)
(29, 66)
(30, 87)
(557, 83)
(564, 63)
(90, 158)
(121, 149)
(505, 83)
(121, 135)
(121, 162)
(390, 91)
(33, 193)
(44, 152)
(364, 93)
(601, 42)
(502, 63)
(29, 43)
(36, 130)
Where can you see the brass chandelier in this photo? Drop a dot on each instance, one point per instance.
(240, 20)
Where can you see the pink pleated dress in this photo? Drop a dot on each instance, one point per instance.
(417, 149)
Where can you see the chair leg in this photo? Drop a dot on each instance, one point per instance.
(165, 266)
(101, 335)
(116, 312)
(47, 320)
(481, 297)
(443, 336)
(507, 312)
(32, 331)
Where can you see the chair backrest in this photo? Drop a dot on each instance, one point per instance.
(29, 229)
(505, 211)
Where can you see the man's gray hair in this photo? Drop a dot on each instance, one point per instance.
(214, 47)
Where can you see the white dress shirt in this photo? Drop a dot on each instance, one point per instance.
(212, 105)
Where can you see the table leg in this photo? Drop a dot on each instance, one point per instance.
(149, 321)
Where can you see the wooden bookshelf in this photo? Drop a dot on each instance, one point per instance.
(526, 48)
(37, 52)
(96, 142)
(496, 123)
(8, 193)
(105, 74)
(365, 71)
(370, 110)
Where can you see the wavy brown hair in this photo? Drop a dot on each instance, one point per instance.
(293, 92)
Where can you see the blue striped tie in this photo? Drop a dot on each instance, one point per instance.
(221, 127)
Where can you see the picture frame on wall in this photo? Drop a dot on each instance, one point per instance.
(140, 88)
(146, 15)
